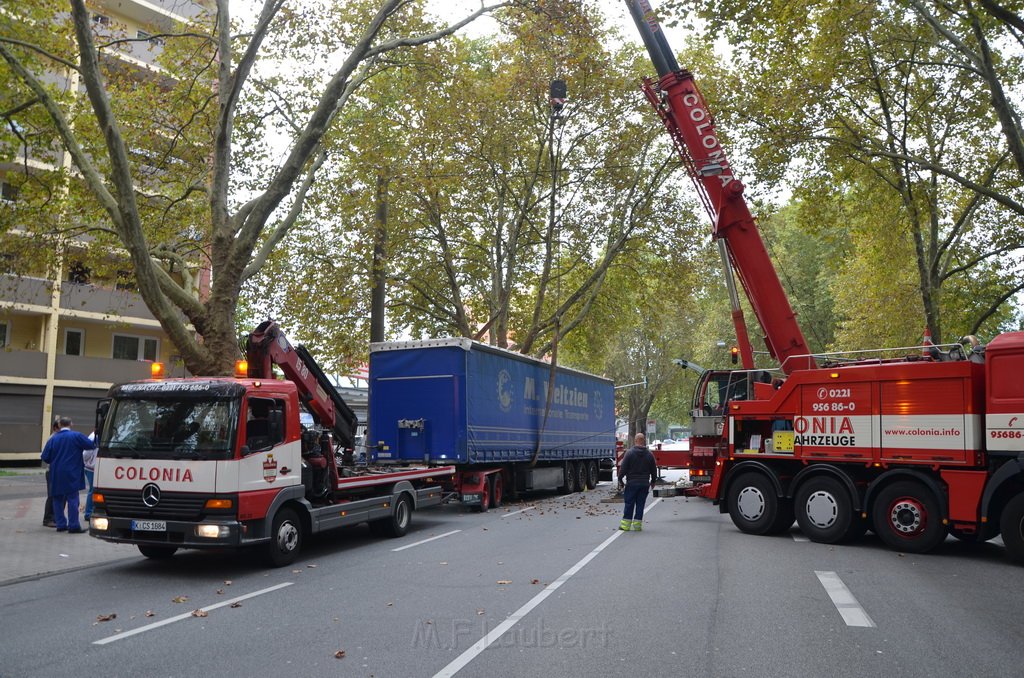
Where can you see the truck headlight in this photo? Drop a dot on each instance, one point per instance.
(212, 531)
(100, 524)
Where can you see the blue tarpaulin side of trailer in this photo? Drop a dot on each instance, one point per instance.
(447, 404)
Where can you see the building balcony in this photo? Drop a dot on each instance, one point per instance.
(25, 290)
(23, 364)
(105, 370)
(113, 302)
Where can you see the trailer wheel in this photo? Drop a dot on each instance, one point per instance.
(753, 504)
(497, 489)
(823, 510)
(581, 476)
(157, 552)
(907, 517)
(285, 538)
(569, 478)
(485, 497)
(592, 474)
(1011, 524)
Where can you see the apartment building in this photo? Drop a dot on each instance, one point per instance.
(67, 333)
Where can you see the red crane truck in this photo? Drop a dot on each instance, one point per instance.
(226, 462)
(917, 443)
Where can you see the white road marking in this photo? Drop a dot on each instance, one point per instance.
(528, 508)
(469, 655)
(853, 614)
(171, 620)
(424, 541)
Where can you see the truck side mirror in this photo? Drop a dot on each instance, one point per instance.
(102, 407)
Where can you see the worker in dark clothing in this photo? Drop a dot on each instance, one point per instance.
(639, 471)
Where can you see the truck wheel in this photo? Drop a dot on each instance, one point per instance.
(485, 497)
(581, 476)
(497, 489)
(1011, 524)
(592, 474)
(753, 504)
(285, 538)
(157, 552)
(823, 510)
(907, 517)
(569, 478)
(401, 518)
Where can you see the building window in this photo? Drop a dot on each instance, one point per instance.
(74, 342)
(8, 192)
(101, 19)
(79, 273)
(135, 348)
(5, 333)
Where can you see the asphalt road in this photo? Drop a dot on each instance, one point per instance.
(545, 588)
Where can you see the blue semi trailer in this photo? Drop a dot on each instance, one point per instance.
(486, 411)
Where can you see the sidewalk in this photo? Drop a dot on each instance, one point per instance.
(31, 550)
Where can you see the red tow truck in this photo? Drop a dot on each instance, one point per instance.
(225, 462)
(915, 442)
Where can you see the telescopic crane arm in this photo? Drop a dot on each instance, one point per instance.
(267, 346)
(684, 112)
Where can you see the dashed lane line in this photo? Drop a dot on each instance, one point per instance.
(850, 610)
(424, 541)
(469, 655)
(171, 620)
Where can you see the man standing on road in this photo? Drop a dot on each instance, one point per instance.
(640, 473)
(48, 507)
(63, 452)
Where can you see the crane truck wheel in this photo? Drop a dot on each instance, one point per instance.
(907, 517)
(1011, 525)
(824, 510)
(485, 498)
(157, 552)
(753, 504)
(285, 538)
(592, 474)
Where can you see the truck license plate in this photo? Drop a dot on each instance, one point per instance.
(149, 525)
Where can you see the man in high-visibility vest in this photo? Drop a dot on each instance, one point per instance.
(639, 472)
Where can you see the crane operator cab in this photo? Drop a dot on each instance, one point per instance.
(715, 390)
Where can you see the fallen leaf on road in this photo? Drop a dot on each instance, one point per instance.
(535, 581)
(391, 604)
(220, 592)
(479, 611)
(179, 599)
(235, 604)
(150, 613)
(444, 562)
(504, 581)
(200, 613)
(227, 582)
(106, 617)
(312, 565)
(296, 571)
(340, 654)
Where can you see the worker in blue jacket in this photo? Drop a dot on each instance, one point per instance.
(63, 452)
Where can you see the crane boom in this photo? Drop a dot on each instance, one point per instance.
(267, 346)
(685, 115)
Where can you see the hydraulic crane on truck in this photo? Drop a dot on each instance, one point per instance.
(918, 445)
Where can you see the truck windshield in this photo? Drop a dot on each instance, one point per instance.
(170, 429)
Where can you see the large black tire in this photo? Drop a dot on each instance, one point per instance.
(569, 478)
(592, 474)
(824, 510)
(753, 504)
(908, 517)
(285, 539)
(1011, 525)
(485, 498)
(581, 476)
(157, 552)
(497, 489)
(401, 517)
(783, 518)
